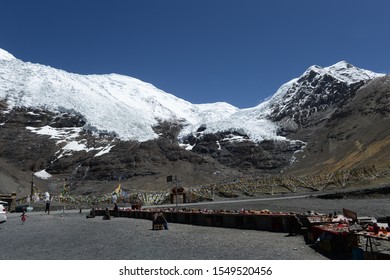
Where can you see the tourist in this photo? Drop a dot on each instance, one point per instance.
(47, 200)
(114, 198)
(92, 213)
(294, 225)
(106, 215)
(23, 217)
(161, 219)
(116, 210)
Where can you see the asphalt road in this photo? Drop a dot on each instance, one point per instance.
(372, 206)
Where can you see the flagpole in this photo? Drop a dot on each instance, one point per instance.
(32, 189)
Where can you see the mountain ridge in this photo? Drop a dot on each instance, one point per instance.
(96, 129)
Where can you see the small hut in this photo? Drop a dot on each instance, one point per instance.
(178, 195)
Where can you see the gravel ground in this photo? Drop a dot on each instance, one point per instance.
(72, 236)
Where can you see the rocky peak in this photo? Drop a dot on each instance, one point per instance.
(317, 93)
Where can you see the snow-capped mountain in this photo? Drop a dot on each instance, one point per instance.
(130, 108)
(150, 132)
(114, 103)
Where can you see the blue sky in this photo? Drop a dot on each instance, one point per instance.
(203, 51)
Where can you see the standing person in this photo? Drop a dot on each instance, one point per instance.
(114, 197)
(23, 217)
(47, 200)
(116, 210)
(162, 220)
(294, 225)
(106, 215)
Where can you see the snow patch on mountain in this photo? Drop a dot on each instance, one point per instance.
(69, 140)
(62, 134)
(43, 174)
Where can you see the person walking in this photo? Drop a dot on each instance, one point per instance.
(23, 217)
(47, 200)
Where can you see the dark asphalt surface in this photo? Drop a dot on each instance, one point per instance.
(375, 207)
(72, 236)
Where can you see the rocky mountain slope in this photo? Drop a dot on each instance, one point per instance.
(355, 135)
(97, 130)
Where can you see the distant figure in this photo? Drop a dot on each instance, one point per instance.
(116, 210)
(159, 221)
(47, 200)
(92, 213)
(35, 197)
(165, 223)
(154, 220)
(375, 228)
(106, 215)
(114, 198)
(294, 225)
(23, 217)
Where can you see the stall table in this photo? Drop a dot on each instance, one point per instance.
(370, 238)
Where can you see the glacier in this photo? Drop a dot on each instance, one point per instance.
(129, 108)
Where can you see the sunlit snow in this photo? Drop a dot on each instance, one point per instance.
(4, 55)
(43, 174)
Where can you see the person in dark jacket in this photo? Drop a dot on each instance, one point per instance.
(106, 215)
(116, 210)
(294, 225)
(92, 213)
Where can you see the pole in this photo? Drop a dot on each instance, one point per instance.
(32, 190)
(32, 185)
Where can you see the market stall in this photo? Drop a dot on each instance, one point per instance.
(335, 239)
(374, 237)
(348, 236)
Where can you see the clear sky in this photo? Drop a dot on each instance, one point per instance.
(237, 51)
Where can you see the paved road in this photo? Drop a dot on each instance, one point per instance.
(373, 207)
(230, 201)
